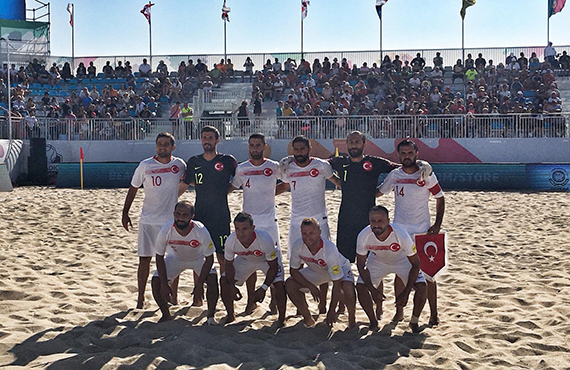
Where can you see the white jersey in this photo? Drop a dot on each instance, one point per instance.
(395, 250)
(411, 198)
(308, 187)
(260, 250)
(327, 260)
(160, 186)
(192, 247)
(258, 184)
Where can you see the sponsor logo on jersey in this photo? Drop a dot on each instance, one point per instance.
(273, 255)
(268, 172)
(189, 243)
(394, 247)
(159, 170)
(336, 269)
(367, 165)
(256, 253)
(211, 245)
(319, 262)
(174, 169)
(314, 172)
(219, 166)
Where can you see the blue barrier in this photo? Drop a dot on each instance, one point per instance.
(542, 177)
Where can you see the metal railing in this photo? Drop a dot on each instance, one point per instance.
(324, 127)
(449, 55)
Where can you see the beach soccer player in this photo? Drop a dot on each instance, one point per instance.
(160, 176)
(210, 174)
(306, 177)
(187, 245)
(248, 250)
(384, 248)
(258, 178)
(325, 264)
(411, 206)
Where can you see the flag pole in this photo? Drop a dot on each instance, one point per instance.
(381, 52)
(547, 22)
(225, 43)
(302, 35)
(150, 39)
(73, 38)
(463, 40)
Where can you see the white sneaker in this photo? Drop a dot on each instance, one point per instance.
(211, 321)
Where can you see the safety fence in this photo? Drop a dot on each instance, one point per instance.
(323, 127)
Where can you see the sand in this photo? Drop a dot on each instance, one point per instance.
(68, 288)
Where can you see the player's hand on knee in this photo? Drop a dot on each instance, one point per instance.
(259, 295)
(402, 299)
(198, 291)
(331, 318)
(236, 294)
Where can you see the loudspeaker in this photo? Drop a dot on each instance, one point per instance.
(38, 147)
(37, 170)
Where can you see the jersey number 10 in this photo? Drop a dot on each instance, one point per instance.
(156, 180)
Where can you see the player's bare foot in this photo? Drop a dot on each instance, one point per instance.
(197, 303)
(140, 304)
(280, 323)
(415, 327)
(351, 325)
(250, 308)
(434, 320)
(272, 307)
(230, 319)
(322, 309)
(399, 316)
(165, 319)
(309, 322)
(211, 321)
(373, 325)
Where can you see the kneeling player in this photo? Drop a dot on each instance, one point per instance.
(324, 264)
(189, 247)
(390, 250)
(255, 251)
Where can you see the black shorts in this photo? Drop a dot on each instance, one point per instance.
(219, 232)
(348, 229)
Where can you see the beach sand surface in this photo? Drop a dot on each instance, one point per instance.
(68, 291)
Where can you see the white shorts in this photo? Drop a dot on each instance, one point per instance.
(175, 266)
(295, 230)
(380, 270)
(244, 268)
(318, 278)
(147, 237)
(269, 225)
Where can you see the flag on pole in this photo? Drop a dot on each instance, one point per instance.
(305, 8)
(379, 5)
(70, 10)
(555, 6)
(146, 11)
(466, 4)
(226, 12)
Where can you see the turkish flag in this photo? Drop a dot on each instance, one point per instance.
(432, 250)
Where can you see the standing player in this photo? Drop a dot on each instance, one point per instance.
(384, 248)
(324, 264)
(411, 192)
(248, 250)
(258, 177)
(306, 177)
(210, 174)
(189, 246)
(160, 176)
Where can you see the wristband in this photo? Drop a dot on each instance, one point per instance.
(264, 287)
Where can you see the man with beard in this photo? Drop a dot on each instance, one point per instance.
(189, 247)
(258, 177)
(385, 248)
(160, 176)
(210, 174)
(306, 177)
(411, 192)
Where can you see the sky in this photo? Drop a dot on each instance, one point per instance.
(109, 28)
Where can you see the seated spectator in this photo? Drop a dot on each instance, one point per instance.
(54, 75)
(66, 72)
(564, 61)
(43, 76)
(162, 70)
(523, 61)
(458, 69)
(248, 65)
(108, 70)
(91, 71)
(120, 71)
(469, 62)
(418, 63)
(145, 69)
(229, 68)
(415, 81)
(471, 74)
(438, 60)
(480, 63)
(81, 72)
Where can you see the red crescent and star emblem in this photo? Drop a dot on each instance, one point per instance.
(367, 166)
(268, 172)
(314, 172)
(194, 243)
(394, 247)
(257, 253)
(219, 166)
(321, 262)
(421, 183)
(174, 169)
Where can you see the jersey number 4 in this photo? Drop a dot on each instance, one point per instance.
(247, 184)
(399, 191)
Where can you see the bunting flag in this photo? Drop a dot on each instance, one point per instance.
(146, 11)
(226, 12)
(466, 4)
(555, 6)
(70, 10)
(379, 5)
(305, 8)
